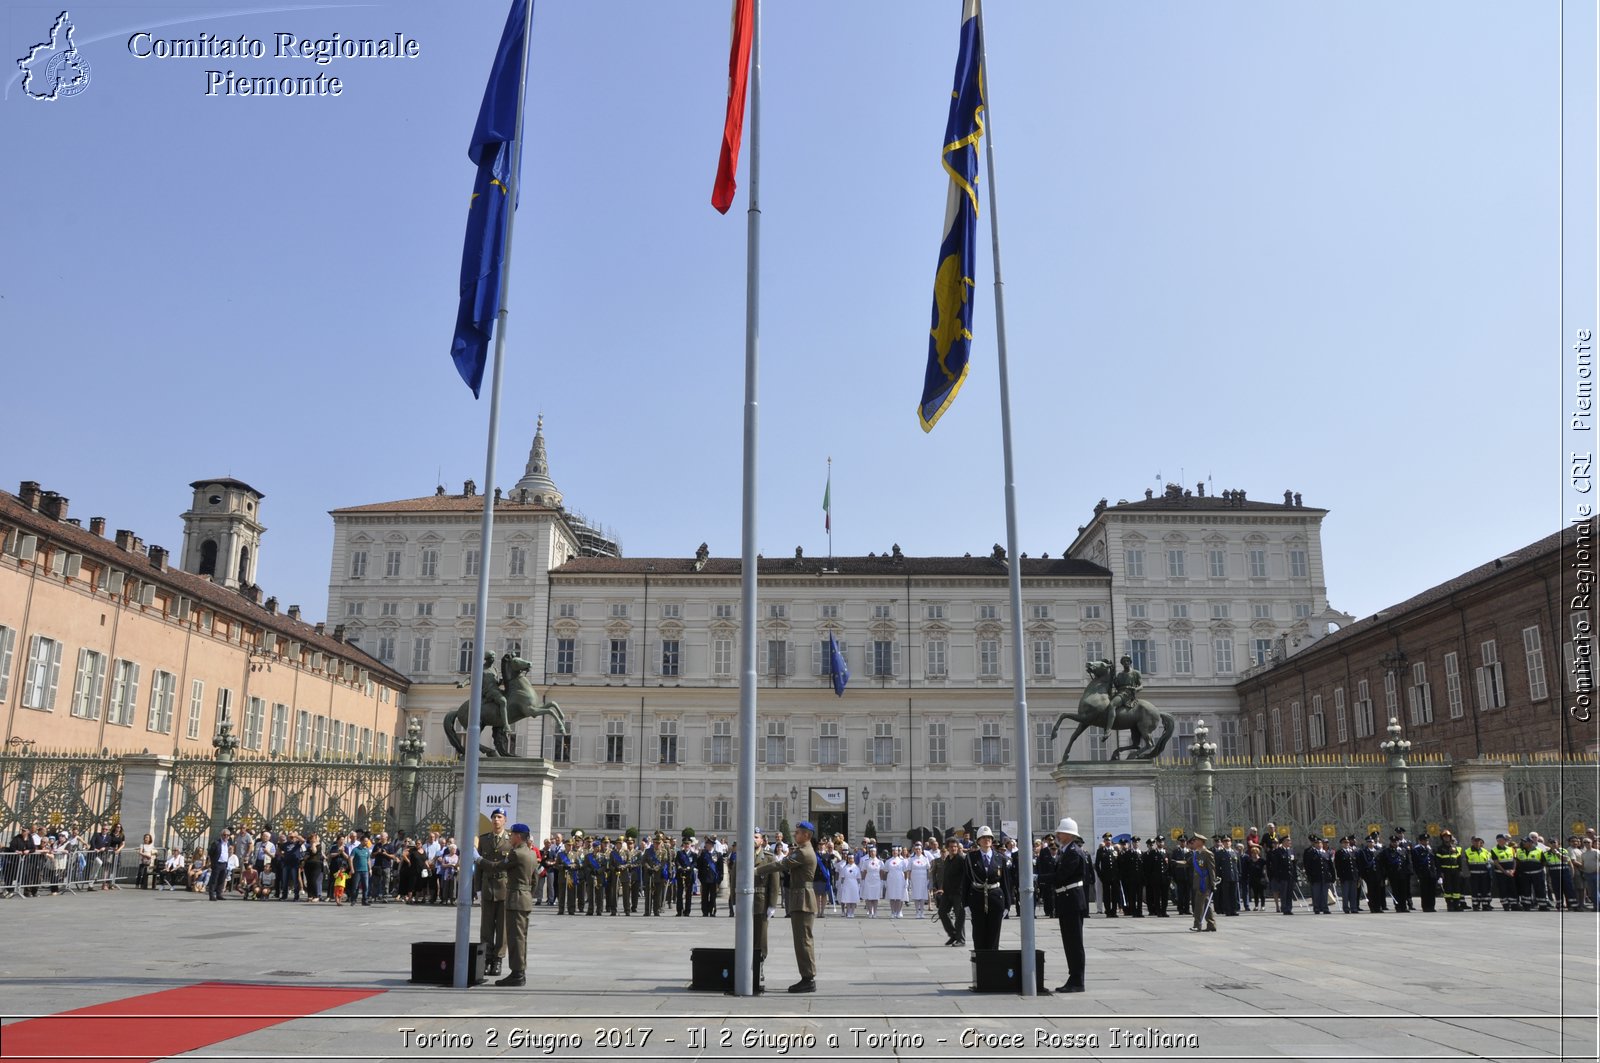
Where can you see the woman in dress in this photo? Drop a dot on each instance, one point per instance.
(1255, 870)
(894, 883)
(847, 883)
(147, 858)
(917, 874)
(872, 874)
(448, 865)
(822, 884)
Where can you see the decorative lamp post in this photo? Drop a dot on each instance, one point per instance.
(410, 749)
(1202, 749)
(1396, 748)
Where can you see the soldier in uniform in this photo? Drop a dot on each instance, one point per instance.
(684, 878)
(1156, 886)
(1368, 856)
(594, 880)
(1281, 872)
(1397, 871)
(1226, 896)
(631, 872)
(651, 863)
(493, 845)
(616, 867)
(986, 890)
(1178, 874)
(1044, 872)
(1068, 873)
(1347, 870)
(1105, 866)
(801, 866)
(519, 869)
(1318, 863)
(1130, 872)
(1203, 883)
(567, 877)
(763, 902)
(1425, 869)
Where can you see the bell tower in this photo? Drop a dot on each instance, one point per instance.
(222, 531)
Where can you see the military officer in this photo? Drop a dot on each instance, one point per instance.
(1105, 866)
(1130, 872)
(986, 891)
(1425, 869)
(1156, 886)
(493, 845)
(616, 867)
(768, 888)
(520, 869)
(801, 866)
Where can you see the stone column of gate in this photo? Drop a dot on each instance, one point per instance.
(535, 782)
(1126, 797)
(146, 797)
(225, 744)
(1478, 791)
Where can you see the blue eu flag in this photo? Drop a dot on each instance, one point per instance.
(498, 157)
(836, 666)
(950, 341)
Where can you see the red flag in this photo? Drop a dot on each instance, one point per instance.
(733, 127)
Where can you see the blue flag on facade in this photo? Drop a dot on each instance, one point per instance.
(498, 157)
(836, 666)
(950, 340)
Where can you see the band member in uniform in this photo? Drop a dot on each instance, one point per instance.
(493, 845)
(986, 890)
(801, 866)
(653, 865)
(1067, 876)
(519, 869)
(1203, 879)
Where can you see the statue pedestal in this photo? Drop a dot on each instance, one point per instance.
(1125, 802)
(534, 780)
(1480, 800)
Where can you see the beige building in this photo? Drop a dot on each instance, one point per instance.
(104, 644)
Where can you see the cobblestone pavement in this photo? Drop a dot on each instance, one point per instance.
(1500, 985)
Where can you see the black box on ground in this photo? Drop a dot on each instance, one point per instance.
(1000, 971)
(713, 969)
(434, 962)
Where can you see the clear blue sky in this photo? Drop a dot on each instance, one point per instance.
(1304, 246)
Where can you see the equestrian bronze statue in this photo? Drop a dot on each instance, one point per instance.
(507, 700)
(1111, 701)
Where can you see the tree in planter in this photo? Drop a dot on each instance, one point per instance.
(632, 833)
(872, 830)
(783, 829)
(688, 834)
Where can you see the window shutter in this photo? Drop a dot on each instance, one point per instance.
(977, 751)
(788, 658)
(761, 750)
(1005, 751)
(705, 750)
(627, 749)
(819, 658)
(788, 749)
(55, 675)
(80, 695)
(734, 749)
(765, 666)
(844, 745)
(898, 755)
(896, 658)
(815, 753)
(1483, 689)
(154, 712)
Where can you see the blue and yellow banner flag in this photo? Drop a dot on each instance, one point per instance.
(950, 341)
(498, 157)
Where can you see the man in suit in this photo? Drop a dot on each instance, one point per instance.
(986, 890)
(1282, 873)
(1203, 880)
(950, 890)
(801, 866)
(519, 869)
(217, 856)
(493, 846)
(768, 888)
(1067, 876)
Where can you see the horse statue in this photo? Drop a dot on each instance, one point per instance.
(1094, 710)
(507, 701)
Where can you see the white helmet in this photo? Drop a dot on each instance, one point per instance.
(1068, 825)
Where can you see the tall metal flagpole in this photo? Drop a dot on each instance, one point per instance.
(1013, 558)
(467, 825)
(745, 879)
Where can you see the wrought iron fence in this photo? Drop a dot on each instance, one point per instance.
(54, 791)
(1555, 798)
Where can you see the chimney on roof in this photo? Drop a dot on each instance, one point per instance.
(1288, 498)
(1242, 499)
(97, 526)
(469, 489)
(158, 558)
(28, 494)
(438, 490)
(251, 592)
(272, 606)
(1297, 499)
(895, 552)
(1149, 493)
(137, 546)
(75, 522)
(321, 627)
(53, 506)
(124, 539)
(338, 633)
(1200, 489)
(294, 612)
(497, 496)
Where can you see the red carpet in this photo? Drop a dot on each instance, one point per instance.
(157, 1025)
